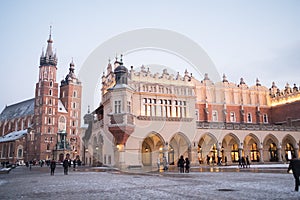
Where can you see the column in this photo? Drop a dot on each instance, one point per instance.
(261, 153)
(194, 154)
(279, 154)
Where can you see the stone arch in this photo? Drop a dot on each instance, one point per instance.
(289, 147)
(270, 148)
(97, 148)
(207, 147)
(251, 146)
(179, 144)
(230, 147)
(152, 149)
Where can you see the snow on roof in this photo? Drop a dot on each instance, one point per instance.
(61, 107)
(21, 109)
(13, 136)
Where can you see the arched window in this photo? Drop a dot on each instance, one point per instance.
(50, 92)
(62, 123)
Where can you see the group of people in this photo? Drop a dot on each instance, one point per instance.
(66, 164)
(244, 162)
(183, 165)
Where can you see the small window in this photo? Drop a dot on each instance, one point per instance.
(214, 116)
(265, 118)
(249, 118)
(51, 84)
(50, 92)
(232, 117)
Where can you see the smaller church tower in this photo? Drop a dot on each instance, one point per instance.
(46, 104)
(70, 96)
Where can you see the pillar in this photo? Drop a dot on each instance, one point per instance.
(279, 153)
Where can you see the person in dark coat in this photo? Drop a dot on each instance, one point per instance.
(295, 167)
(66, 165)
(247, 162)
(52, 166)
(181, 164)
(187, 165)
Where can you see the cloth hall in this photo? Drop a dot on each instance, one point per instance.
(146, 117)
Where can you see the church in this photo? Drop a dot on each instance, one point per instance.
(48, 125)
(145, 118)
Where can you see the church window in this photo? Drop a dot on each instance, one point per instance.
(50, 92)
(20, 153)
(49, 120)
(75, 93)
(74, 105)
(51, 84)
(48, 146)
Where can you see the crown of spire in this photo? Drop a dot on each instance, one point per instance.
(49, 58)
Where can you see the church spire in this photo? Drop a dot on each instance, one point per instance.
(49, 58)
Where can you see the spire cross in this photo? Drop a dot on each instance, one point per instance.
(50, 33)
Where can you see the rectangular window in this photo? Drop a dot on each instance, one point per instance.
(265, 118)
(232, 117)
(129, 106)
(214, 116)
(117, 106)
(249, 118)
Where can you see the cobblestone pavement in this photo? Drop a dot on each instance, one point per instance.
(21, 183)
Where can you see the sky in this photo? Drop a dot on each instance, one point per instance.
(249, 39)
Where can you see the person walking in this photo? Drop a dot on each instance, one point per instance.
(187, 165)
(52, 166)
(247, 162)
(295, 167)
(66, 165)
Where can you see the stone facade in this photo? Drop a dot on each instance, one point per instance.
(157, 116)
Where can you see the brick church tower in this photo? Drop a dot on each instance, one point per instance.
(46, 105)
(56, 112)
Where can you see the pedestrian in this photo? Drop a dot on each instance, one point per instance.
(187, 165)
(295, 167)
(243, 162)
(165, 164)
(52, 167)
(181, 164)
(66, 165)
(207, 159)
(247, 162)
(74, 164)
(225, 159)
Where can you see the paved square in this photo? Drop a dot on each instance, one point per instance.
(21, 183)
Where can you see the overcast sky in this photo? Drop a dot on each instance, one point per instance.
(249, 39)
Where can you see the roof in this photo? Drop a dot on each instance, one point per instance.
(61, 107)
(13, 136)
(21, 109)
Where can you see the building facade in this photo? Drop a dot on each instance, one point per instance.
(50, 122)
(147, 117)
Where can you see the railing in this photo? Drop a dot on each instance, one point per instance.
(124, 118)
(245, 126)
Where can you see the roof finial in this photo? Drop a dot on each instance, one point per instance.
(88, 109)
(50, 33)
(108, 60)
(121, 58)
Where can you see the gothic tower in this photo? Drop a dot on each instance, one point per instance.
(70, 96)
(46, 105)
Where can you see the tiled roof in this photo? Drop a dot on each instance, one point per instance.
(18, 110)
(13, 136)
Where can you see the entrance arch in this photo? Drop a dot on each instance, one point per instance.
(251, 147)
(152, 149)
(207, 148)
(230, 148)
(289, 144)
(270, 148)
(178, 145)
